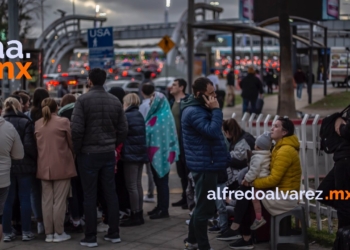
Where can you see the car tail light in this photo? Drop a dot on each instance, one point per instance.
(132, 79)
(217, 72)
(159, 70)
(125, 73)
(110, 71)
(138, 70)
(153, 75)
(72, 82)
(64, 74)
(44, 76)
(53, 83)
(116, 77)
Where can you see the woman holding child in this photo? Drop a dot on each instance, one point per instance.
(285, 174)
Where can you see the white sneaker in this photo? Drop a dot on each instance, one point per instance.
(28, 236)
(60, 238)
(49, 238)
(41, 228)
(148, 199)
(187, 222)
(102, 227)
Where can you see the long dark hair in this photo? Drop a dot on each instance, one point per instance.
(232, 127)
(39, 95)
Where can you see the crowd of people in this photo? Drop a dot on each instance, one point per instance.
(65, 162)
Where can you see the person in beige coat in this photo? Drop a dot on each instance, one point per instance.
(55, 168)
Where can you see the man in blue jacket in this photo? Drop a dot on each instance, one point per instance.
(205, 152)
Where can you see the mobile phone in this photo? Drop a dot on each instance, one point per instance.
(201, 99)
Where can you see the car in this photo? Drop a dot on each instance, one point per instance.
(127, 85)
(77, 82)
(130, 75)
(163, 84)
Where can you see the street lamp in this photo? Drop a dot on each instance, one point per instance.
(166, 15)
(97, 10)
(214, 3)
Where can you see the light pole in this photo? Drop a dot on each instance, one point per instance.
(97, 10)
(73, 2)
(167, 12)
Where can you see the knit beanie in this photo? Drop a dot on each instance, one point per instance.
(264, 141)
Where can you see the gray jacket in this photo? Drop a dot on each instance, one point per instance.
(98, 122)
(11, 148)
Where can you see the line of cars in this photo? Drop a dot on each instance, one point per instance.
(129, 80)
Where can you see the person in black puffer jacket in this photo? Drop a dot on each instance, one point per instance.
(134, 155)
(22, 171)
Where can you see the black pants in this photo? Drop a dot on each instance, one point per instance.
(204, 209)
(338, 179)
(76, 201)
(269, 88)
(93, 167)
(241, 214)
(183, 172)
(162, 185)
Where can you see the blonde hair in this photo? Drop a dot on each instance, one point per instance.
(49, 106)
(12, 103)
(131, 100)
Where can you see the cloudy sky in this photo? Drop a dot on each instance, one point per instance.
(125, 12)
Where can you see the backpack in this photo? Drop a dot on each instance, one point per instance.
(330, 140)
(342, 240)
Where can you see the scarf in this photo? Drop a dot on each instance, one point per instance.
(66, 107)
(161, 136)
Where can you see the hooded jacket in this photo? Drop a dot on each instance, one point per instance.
(11, 148)
(25, 129)
(204, 144)
(285, 166)
(135, 149)
(67, 111)
(259, 165)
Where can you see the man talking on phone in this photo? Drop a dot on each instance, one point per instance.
(205, 153)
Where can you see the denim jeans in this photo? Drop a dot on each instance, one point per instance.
(35, 198)
(246, 104)
(221, 207)
(162, 185)
(300, 89)
(204, 209)
(24, 183)
(93, 167)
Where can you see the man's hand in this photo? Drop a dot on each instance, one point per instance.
(338, 122)
(212, 103)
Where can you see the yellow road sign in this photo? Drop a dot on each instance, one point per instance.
(166, 44)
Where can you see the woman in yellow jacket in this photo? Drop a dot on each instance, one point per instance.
(285, 174)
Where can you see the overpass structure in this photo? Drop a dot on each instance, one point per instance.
(65, 34)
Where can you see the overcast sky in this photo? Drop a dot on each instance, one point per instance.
(125, 12)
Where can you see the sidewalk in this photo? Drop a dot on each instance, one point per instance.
(164, 234)
(271, 101)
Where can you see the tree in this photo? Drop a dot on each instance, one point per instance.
(28, 12)
(286, 101)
